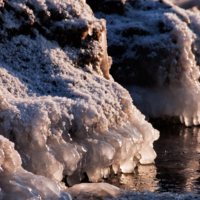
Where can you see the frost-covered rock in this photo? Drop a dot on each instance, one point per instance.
(155, 48)
(58, 103)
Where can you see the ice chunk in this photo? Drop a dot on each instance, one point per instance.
(10, 159)
(115, 168)
(59, 104)
(17, 183)
(106, 172)
(128, 166)
(94, 190)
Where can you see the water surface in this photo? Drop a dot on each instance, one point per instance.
(176, 169)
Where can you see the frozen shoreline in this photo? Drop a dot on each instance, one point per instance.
(58, 103)
(61, 113)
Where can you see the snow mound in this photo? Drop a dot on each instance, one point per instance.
(155, 47)
(58, 102)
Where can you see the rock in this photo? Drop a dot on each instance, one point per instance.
(17, 183)
(155, 48)
(58, 102)
(94, 191)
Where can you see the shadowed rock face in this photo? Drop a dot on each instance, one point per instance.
(108, 7)
(144, 40)
(58, 102)
(155, 49)
(17, 183)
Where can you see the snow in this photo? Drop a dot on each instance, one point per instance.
(155, 50)
(58, 102)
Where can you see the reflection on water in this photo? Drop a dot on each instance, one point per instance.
(176, 169)
(143, 179)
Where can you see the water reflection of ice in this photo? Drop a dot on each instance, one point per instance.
(176, 168)
(143, 179)
(197, 135)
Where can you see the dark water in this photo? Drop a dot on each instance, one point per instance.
(176, 169)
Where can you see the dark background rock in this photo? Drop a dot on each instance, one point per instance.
(136, 62)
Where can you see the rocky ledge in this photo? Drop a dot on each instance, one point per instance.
(155, 49)
(59, 106)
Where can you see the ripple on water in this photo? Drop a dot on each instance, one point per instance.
(176, 169)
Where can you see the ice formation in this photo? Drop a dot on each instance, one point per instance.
(58, 102)
(155, 50)
(16, 183)
(94, 191)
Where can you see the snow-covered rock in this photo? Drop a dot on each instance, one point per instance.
(58, 102)
(155, 50)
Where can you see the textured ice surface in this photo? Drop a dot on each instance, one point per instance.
(58, 103)
(17, 183)
(155, 46)
(94, 191)
(165, 102)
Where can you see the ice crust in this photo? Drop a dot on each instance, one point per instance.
(94, 191)
(58, 102)
(17, 183)
(155, 50)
